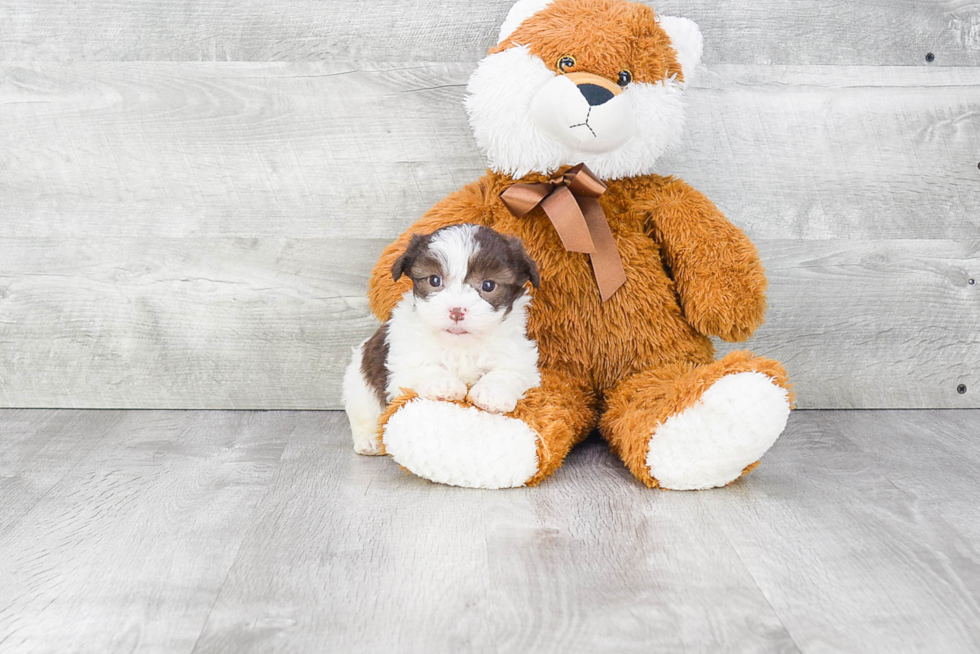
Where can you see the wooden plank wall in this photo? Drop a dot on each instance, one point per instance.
(191, 195)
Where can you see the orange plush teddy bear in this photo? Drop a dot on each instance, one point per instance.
(637, 270)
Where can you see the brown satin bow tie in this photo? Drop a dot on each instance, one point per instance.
(571, 202)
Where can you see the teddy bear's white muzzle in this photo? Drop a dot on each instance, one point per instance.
(563, 112)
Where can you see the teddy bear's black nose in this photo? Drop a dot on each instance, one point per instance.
(595, 94)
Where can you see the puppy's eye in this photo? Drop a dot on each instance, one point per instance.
(625, 77)
(566, 62)
(435, 281)
(488, 286)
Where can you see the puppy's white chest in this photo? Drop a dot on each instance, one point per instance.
(468, 364)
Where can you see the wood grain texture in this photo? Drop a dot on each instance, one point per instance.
(350, 554)
(850, 558)
(180, 323)
(269, 323)
(313, 150)
(249, 150)
(837, 153)
(941, 474)
(246, 531)
(39, 449)
(874, 324)
(127, 551)
(764, 32)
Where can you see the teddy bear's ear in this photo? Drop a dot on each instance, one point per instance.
(521, 11)
(686, 38)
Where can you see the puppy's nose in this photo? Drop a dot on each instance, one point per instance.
(595, 94)
(457, 314)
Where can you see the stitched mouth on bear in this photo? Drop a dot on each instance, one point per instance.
(585, 124)
(584, 117)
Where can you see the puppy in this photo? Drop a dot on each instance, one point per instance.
(459, 333)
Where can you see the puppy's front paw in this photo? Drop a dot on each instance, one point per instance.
(443, 388)
(368, 445)
(495, 398)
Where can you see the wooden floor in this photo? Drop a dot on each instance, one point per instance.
(237, 532)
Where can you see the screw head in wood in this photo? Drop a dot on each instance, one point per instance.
(961, 389)
(930, 57)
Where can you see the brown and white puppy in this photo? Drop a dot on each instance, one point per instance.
(459, 333)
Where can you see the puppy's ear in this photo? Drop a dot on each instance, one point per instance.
(404, 262)
(524, 264)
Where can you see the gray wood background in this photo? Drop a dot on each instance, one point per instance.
(192, 195)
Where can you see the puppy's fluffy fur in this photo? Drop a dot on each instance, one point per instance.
(460, 332)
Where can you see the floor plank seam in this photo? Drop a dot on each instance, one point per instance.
(270, 484)
(54, 484)
(762, 593)
(928, 510)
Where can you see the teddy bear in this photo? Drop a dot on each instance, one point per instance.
(572, 108)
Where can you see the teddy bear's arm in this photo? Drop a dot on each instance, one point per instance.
(719, 277)
(466, 205)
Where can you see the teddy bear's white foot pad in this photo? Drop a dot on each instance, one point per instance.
(461, 446)
(709, 444)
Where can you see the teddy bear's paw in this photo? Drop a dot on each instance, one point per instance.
(444, 387)
(709, 444)
(495, 398)
(461, 446)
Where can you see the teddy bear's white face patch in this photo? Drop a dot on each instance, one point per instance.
(527, 118)
(586, 117)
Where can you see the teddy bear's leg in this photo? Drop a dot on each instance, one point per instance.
(686, 427)
(460, 445)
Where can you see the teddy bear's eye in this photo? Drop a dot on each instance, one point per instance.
(566, 62)
(625, 77)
